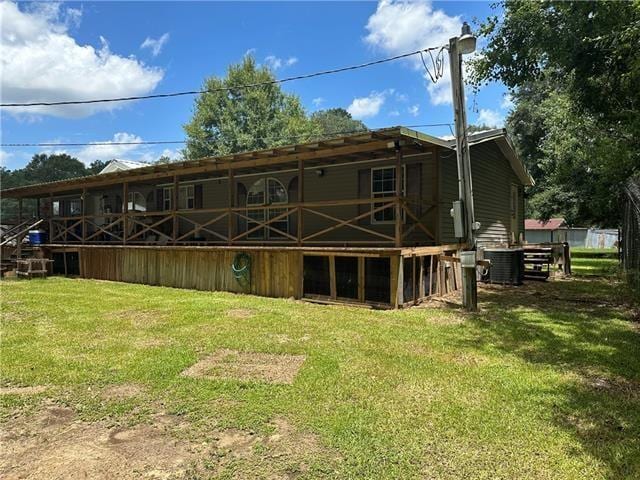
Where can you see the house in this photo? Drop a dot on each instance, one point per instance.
(363, 218)
(119, 165)
(556, 230)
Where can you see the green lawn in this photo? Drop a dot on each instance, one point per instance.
(543, 383)
(594, 262)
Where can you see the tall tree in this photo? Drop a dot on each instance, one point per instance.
(242, 119)
(336, 121)
(574, 70)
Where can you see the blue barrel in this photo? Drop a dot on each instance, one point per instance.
(37, 237)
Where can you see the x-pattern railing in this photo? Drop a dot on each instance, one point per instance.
(220, 224)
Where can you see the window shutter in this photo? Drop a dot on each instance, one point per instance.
(364, 192)
(159, 200)
(198, 199)
(414, 189)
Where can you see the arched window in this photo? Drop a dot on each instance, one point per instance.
(137, 202)
(267, 192)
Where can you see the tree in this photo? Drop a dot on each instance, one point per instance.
(573, 70)
(97, 166)
(336, 121)
(243, 119)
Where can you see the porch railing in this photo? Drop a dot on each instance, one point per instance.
(238, 225)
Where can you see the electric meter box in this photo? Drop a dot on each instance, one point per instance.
(468, 259)
(457, 213)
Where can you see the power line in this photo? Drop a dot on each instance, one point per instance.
(223, 89)
(167, 142)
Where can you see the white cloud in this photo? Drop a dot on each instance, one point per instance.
(155, 45)
(401, 26)
(414, 110)
(275, 63)
(41, 62)
(110, 151)
(4, 157)
(365, 107)
(491, 118)
(507, 102)
(318, 101)
(394, 113)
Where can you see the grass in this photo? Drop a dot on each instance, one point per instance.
(544, 382)
(594, 262)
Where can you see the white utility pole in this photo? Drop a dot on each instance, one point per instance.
(458, 46)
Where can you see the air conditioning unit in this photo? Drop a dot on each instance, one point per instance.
(507, 266)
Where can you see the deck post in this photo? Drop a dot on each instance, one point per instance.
(300, 201)
(50, 217)
(174, 207)
(125, 210)
(83, 204)
(333, 291)
(398, 222)
(231, 195)
(20, 237)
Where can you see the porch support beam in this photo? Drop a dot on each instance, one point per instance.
(398, 240)
(174, 207)
(300, 201)
(125, 210)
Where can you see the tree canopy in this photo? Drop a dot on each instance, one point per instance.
(574, 72)
(336, 121)
(242, 119)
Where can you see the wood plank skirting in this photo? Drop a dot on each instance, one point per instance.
(379, 277)
(273, 273)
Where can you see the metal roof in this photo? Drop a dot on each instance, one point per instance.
(338, 147)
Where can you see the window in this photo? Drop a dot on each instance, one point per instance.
(186, 197)
(137, 202)
(383, 184)
(75, 207)
(56, 208)
(267, 192)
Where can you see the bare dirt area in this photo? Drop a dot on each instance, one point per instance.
(247, 366)
(139, 318)
(240, 313)
(32, 390)
(55, 444)
(122, 391)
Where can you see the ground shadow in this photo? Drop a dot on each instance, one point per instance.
(585, 328)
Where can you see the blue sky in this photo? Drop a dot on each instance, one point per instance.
(98, 49)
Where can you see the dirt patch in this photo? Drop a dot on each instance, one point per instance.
(240, 313)
(618, 386)
(54, 444)
(33, 390)
(248, 366)
(122, 391)
(286, 452)
(139, 318)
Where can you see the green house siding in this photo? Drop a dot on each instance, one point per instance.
(492, 181)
